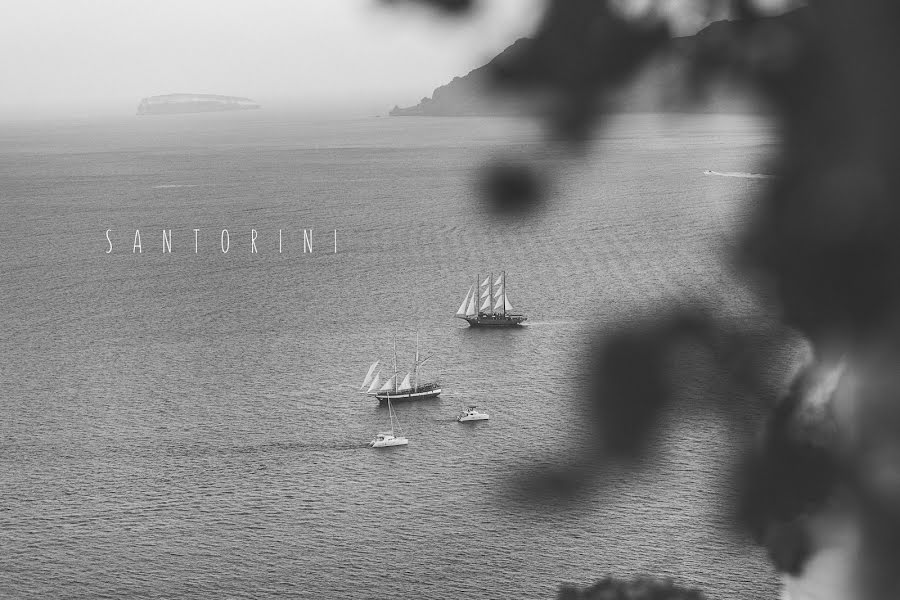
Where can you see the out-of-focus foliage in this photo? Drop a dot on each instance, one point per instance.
(448, 7)
(638, 589)
(823, 245)
(514, 188)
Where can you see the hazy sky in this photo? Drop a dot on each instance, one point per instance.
(90, 57)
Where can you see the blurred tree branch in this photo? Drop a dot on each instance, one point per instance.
(823, 243)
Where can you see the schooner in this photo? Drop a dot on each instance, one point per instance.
(487, 305)
(411, 387)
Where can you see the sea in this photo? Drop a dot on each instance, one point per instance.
(188, 423)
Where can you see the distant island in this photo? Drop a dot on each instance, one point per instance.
(171, 104)
(654, 89)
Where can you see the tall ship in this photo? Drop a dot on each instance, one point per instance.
(487, 305)
(411, 387)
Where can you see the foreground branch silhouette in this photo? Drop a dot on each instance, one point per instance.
(822, 249)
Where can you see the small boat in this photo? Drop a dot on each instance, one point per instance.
(388, 439)
(411, 387)
(471, 414)
(495, 309)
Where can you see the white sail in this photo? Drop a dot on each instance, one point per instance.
(375, 383)
(388, 385)
(499, 280)
(486, 305)
(486, 282)
(462, 307)
(486, 293)
(498, 293)
(470, 310)
(368, 378)
(508, 306)
(499, 305)
(405, 385)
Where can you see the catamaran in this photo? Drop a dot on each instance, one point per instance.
(410, 387)
(387, 439)
(472, 414)
(495, 309)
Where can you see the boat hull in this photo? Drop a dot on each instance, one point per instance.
(496, 320)
(469, 418)
(389, 443)
(408, 396)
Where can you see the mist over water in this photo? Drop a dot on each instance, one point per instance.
(187, 424)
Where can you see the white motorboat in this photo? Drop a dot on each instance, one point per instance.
(472, 414)
(388, 439)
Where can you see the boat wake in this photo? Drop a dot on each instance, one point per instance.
(740, 174)
(553, 323)
(330, 445)
(292, 446)
(165, 186)
(273, 449)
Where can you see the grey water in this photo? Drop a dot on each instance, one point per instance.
(188, 424)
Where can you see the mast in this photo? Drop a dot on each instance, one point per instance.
(491, 292)
(503, 282)
(416, 365)
(391, 416)
(395, 369)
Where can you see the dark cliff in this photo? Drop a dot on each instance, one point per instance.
(658, 87)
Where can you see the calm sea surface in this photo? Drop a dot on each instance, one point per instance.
(188, 425)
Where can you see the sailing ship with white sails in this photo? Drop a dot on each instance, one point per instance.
(411, 387)
(487, 305)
